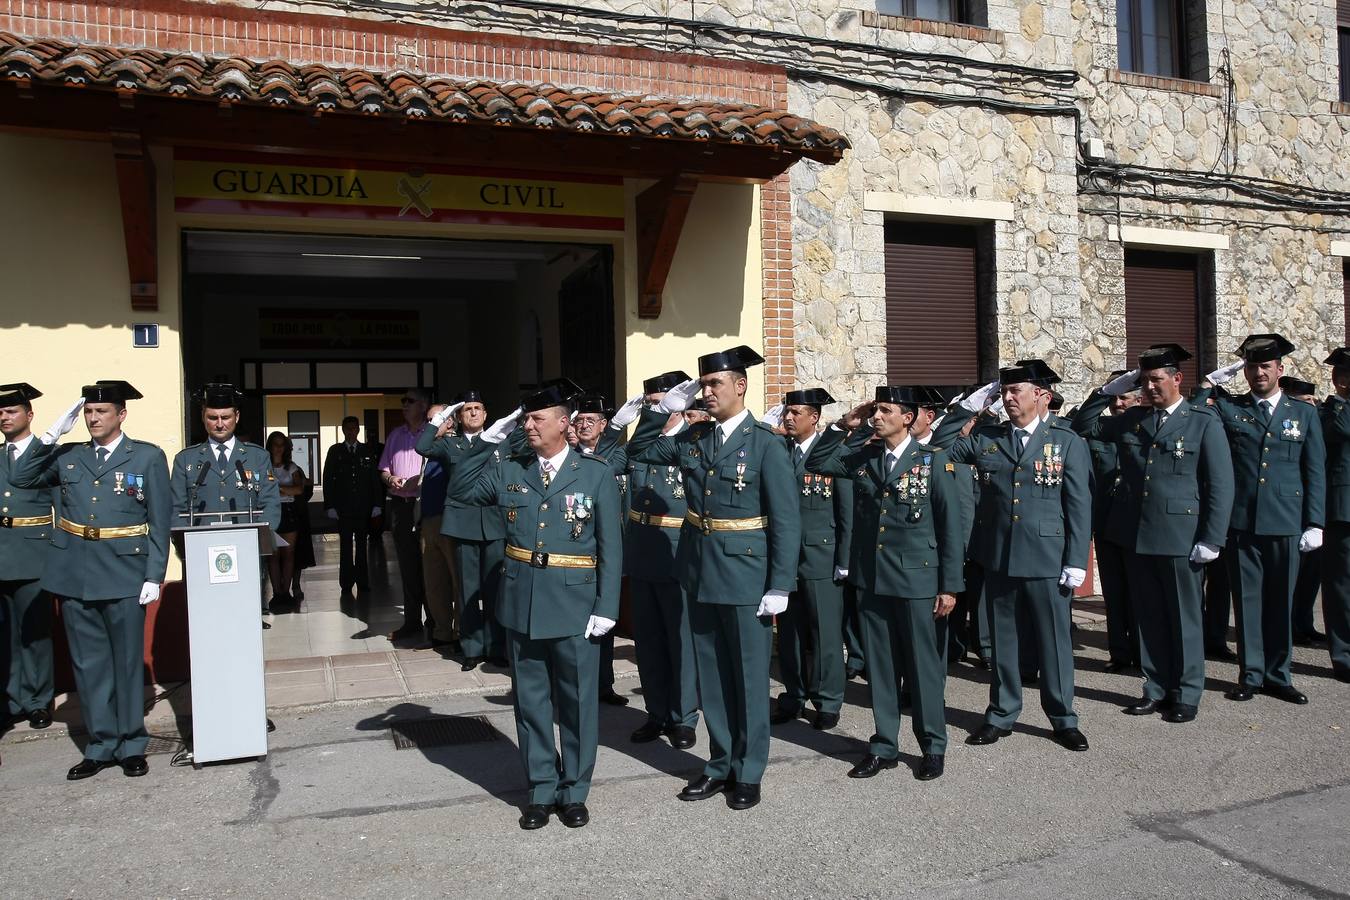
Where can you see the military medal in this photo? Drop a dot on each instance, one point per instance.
(827, 490)
(1040, 478)
(510, 515)
(1179, 450)
(118, 478)
(1291, 429)
(806, 485)
(925, 470)
(569, 514)
(1058, 464)
(740, 476)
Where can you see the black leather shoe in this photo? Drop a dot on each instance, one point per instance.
(987, 734)
(39, 718)
(1241, 694)
(1071, 739)
(574, 815)
(408, 633)
(649, 732)
(1114, 666)
(470, 663)
(613, 699)
(1145, 706)
(781, 716)
(88, 768)
(682, 737)
(825, 721)
(703, 787)
(743, 796)
(854, 673)
(1220, 653)
(870, 765)
(1309, 638)
(930, 768)
(984, 663)
(1286, 692)
(1180, 712)
(906, 701)
(534, 816)
(134, 766)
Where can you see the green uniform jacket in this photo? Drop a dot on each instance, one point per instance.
(225, 491)
(1105, 469)
(909, 530)
(351, 481)
(734, 568)
(23, 550)
(113, 568)
(1280, 471)
(649, 550)
(826, 504)
(965, 478)
(463, 521)
(1335, 416)
(1175, 487)
(1026, 529)
(553, 601)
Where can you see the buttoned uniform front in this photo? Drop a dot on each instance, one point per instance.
(1279, 469)
(545, 605)
(967, 626)
(604, 450)
(1174, 490)
(1335, 417)
(1033, 520)
(727, 572)
(99, 577)
(25, 532)
(1122, 635)
(479, 533)
(911, 540)
(811, 630)
(352, 488)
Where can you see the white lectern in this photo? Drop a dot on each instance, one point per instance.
(224, 595)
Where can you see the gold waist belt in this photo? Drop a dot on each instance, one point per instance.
(650, 519)
(708, 526)
(24, 521)
(90, 533)
(541, 560)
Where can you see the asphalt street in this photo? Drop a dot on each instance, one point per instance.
(1251, 800)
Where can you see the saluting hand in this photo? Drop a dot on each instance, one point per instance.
(679, 398)
(1225, 375)
(774, 417)
(1122, 384)
(857, 415)
(64, 424)
(627, 414)
(498, 430)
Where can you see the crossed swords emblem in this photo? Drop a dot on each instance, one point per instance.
(415, 194)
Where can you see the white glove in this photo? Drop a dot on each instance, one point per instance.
(376, 511)
(439, 419)
(498, 430)
(1225, 375)
(573, 416)
(679, 398)
(1311, 540)
(1072, 578)
(773, 603)
(1122, 384)
(840, 574)
(64, 424)
(1203, 553)
(332, 514)
(149, 593)
(774, 417)
(997, 407)
(981, 397)
(598, 626)
(627, 414)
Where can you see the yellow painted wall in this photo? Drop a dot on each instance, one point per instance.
(333, 408)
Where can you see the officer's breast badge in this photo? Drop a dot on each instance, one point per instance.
(1291, 429)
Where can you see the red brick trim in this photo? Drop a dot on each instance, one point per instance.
(1157, 82)
(873, 19)
(780, 358)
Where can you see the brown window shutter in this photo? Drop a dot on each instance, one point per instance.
(1162, 305)
(932, 334)
(1343, 12)
(1345, 280)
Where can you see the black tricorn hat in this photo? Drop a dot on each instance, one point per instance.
(1259, 348)
(944, 394)
(934, 397)
(659, 384)
(110, 392)
(472, 395)
(900, 395)
(1297, 386)
(18, 394)
(737, 358)
(218, 395)
(1056, 401)
(1161, 356)
(590, 403)
(1034, 371)
(809, 397)
(1339, 357)
(553, 395)
(699, 404)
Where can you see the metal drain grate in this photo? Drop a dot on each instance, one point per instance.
(159, 744)
(442, 731)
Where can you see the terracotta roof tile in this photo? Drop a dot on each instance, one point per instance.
(361, 91)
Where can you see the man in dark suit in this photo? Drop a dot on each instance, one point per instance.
(1336, 553)
(352, 495)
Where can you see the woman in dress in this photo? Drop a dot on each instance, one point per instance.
(291, 482)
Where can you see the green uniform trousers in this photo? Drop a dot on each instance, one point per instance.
(968, 623)
(732, 646)
(28, 619)
(1122, 628)
(665, 651)
(1262, 569)
(107, 652)
(903, 643)
(1168, 596)
(1305, 593)
(811, 647)
(556, 677)
(480, 576)
(1046, 608)
(1336, 593)
(856, 661)
(1218, 603)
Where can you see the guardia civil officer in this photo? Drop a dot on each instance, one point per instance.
(662, 637)
(1309, 580)
(1170, 509)
(560, 593)
(811, 629)
(25, 532)
(107, 561)
(1033, 526)
(353, 495)
(1335, 416)
(1279, 465)
(737, 561)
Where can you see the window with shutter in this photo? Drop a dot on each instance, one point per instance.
(1162, 305)
(932, 304)
(1343, 40)
(1345, 280)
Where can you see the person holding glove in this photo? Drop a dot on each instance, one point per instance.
(738, 554)
(1170, 511)
(1279, 506)
(113, 512)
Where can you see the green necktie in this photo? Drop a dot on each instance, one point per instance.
(717, 439)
